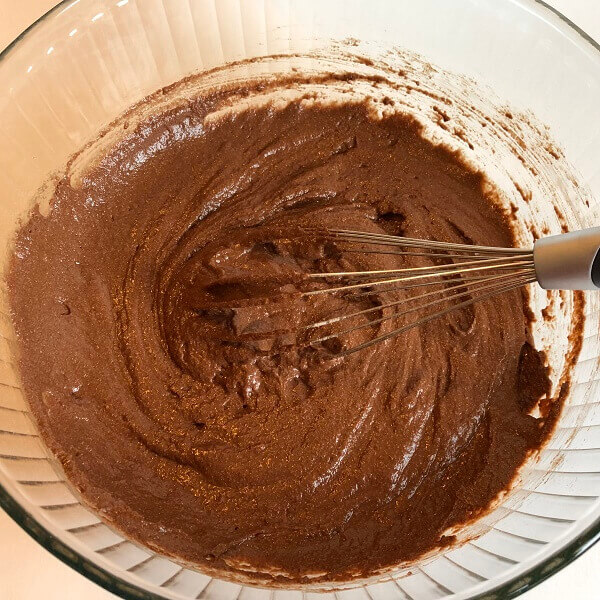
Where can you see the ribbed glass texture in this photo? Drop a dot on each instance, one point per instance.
(85, 62)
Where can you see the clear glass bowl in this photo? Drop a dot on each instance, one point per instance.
(86, 61)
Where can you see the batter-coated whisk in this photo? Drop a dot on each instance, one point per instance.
(458, 276)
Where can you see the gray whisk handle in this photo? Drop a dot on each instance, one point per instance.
(570, 261)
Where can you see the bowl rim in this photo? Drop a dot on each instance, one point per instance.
(129, 591)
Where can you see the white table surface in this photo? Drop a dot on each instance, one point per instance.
(29, 572)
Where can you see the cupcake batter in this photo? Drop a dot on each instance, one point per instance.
(248, 458)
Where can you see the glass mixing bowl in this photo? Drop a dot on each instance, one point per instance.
(86, 61)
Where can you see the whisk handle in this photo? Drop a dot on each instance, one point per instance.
(570, 261)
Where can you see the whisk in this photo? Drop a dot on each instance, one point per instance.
(458, 276)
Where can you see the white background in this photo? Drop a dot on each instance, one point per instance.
(29, 572)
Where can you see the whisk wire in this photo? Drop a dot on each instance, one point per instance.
(436, 315)
(384, 239)
(453, 287)
(445, 281)
(482, 256)
(495, 262)
(493, 288)
(431, 273)
(468, 274)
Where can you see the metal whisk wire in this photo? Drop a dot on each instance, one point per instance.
(476, 273)
(394, 240)
(492, 290)
(457, 276)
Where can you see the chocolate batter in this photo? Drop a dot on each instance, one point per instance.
(242, 456)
